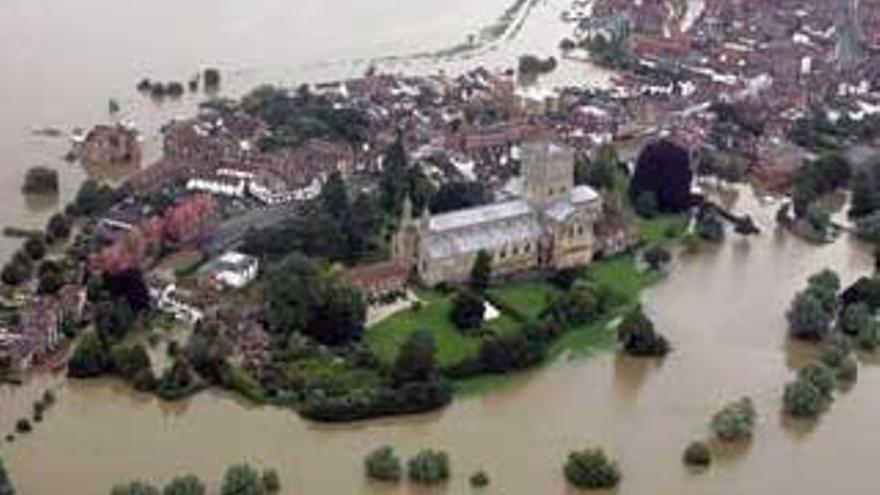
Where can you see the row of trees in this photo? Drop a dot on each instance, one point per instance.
(428, 467)
(239, 479)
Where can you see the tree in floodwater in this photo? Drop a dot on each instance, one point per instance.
(6, 487)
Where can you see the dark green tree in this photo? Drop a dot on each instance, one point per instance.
(6, 487)
(428, 467)
(242, 479)
(135, 488)
(468, 310)
(417, 359)
(189, 484)
(591, 469)
(383, 464)
(481, 271)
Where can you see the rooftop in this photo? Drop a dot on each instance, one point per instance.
(479, 215)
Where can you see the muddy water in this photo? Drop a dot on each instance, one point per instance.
(723, 310)
(62, 61)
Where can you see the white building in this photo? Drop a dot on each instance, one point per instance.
(235, 269)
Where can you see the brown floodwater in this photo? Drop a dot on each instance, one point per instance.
(723, 309)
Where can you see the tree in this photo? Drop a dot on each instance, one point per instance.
(868, 226)
(130, 287)
(131, 360)
(334, 196)
(90, 358)
(271, 481)
(35, 247)
(428, 467)
(697, 453)
(638, 337)
(802, 399)
(591, 469)
(242, 479)
(299, 296)
(211, 78)
(855, 317)
(16, 272)
(656, 257)
(457, 195)
(710, 227)
(481, 271)
(735, 420)
(582, 303)
(602, 172)
(50, 277)
(865, 195)
(820, 376)
(185, 485)
(468, 310)
(135, 488)
(93, 198)
(807, 317)
(383, 465)
(869, 337)
(58, 227)
(848, 371)
(113, 318)
(393, 183)
(663, 168)
(6, 487)
(40, 180)
(417, 359)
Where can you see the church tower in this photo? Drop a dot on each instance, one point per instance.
(405, 246)
(548, 172)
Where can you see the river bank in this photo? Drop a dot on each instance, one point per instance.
(519, 432)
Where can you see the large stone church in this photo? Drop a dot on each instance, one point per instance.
(549, 225)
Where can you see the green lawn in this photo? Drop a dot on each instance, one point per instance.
(662, 229)
(528, 298)
(386, 337)
(622, 276)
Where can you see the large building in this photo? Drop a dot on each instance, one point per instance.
(549, 226)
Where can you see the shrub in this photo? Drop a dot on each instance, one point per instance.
(479, 479)
(509, 352)
(735, 420)
(802, 399)
(820, 376)
(697, 453)
(428, 467)
(591, 469)
(382, 464)
(832, 355)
